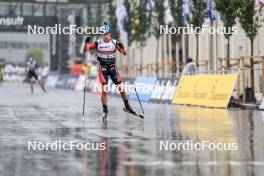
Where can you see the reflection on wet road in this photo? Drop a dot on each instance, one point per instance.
(132, 145)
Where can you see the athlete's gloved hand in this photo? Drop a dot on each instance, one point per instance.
(87, 40)
(121, 45)
(124, 52)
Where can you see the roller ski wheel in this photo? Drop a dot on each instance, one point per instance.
(104, 116)
(133, 113)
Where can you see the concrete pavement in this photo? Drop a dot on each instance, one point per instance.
(132, 145)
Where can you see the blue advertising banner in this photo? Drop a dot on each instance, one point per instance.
(90, 83)
(164, 90)
(61, 81)
(169, 90)
(127, 85)
(144, 86)
(71, 81)
(158, 90)
(51, 81)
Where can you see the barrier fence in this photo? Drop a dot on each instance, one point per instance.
(250, 78)
(150, 89)
(200, 90)
(169, 69)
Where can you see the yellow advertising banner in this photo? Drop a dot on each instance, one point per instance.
(191, 122)
(205, 90)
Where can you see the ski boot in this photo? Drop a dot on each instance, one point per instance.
(105, 112)
(128, 108)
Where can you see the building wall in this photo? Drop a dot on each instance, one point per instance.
(12, 52)
(239, 46)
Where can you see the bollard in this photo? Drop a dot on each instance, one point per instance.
(242, 64)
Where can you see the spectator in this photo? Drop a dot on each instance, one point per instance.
(45, 73)
(1, 74)
(190, 67)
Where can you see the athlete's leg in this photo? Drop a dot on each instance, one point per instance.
(31, 86)
(42, 86)
(103, 79)
(121, 89)
(29, 80)
(104, 98)
(117, 80)
(39, 83)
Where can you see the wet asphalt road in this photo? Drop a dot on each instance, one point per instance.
(132, 145)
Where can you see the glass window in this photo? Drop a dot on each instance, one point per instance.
(13, 9)
(27, 9)
(50, 10)
(4, 9)
(16, 9)
(39, 10)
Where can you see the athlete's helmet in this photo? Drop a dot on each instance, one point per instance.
(105, 29)
(30, 59)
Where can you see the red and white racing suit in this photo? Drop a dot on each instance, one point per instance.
(106, 55)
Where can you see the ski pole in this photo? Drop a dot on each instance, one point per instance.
(84, 90)
(138, 99)
(85, 81)
(128, 73)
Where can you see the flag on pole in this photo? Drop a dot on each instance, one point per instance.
(258, 4)
(185, 11)
(211, 10)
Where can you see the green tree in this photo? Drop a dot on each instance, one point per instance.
(198, 9)
(176, 13)
(99, 18)
(137, 24)
(113, 19)
(142, 28)
(94, 16)
(159, 13)
(36, 54)
(143, 23)
(248, 19)
(90, 14)
(130, 21)
(229, 13)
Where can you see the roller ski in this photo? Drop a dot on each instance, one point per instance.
(104, 116)
(128, 109)
(43, 88)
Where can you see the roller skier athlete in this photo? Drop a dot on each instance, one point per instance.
(107, 48)
(31, 72)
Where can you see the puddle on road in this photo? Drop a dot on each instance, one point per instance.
(132, 146)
